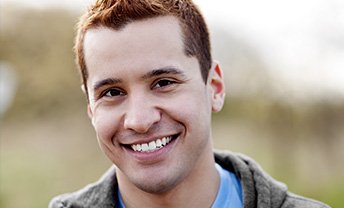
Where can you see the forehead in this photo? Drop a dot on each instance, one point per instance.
(138, 47)
(143, 36)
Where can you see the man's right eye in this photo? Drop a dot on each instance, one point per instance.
(113, 93)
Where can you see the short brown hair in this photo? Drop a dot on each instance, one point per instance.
(117, 13)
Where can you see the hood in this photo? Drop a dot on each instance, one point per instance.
(259, 189)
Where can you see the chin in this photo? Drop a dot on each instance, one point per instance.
(161, 183)
(156, 187)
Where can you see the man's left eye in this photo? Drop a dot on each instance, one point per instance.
(163, 83)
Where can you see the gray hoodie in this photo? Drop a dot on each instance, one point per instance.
(259, 189)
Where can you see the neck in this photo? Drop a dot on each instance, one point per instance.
(198, 189)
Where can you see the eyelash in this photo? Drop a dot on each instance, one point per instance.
(120, 92)
(170, 82)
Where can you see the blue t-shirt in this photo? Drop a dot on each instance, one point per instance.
(229, 194)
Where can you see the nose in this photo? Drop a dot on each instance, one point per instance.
(141, 115)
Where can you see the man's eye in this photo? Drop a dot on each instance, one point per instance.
(163, 83)
(113, 92)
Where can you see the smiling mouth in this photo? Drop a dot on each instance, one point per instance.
(153, 145)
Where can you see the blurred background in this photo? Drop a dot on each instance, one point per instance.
(284, 71)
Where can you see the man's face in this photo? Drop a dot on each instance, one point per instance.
(148, 102)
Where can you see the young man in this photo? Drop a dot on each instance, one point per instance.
(151, 86)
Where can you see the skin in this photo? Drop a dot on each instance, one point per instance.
(143, 87)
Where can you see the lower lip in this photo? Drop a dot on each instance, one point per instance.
(154, 156)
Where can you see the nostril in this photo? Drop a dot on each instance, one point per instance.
(141, 119)
(137, 125)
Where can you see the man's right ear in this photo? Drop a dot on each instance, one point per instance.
(83, 89)
(89, 111)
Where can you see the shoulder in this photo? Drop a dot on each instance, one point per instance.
(296, 201)
(259, 187)
(99, 194)
(93, 195)
(60, 201)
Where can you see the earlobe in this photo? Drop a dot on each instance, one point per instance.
(218, 88)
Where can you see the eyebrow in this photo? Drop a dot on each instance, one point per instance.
(163, 71)
(105, 82)
(153, 73)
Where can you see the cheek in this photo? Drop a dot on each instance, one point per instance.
(192, 108)
(105, 124)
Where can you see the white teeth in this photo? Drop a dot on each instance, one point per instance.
(158, 143)
(138, 147)
(145, 147)
(151, 146)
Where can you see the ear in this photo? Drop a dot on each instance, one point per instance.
(89, 110)
(90, 113)
(218, 87)
(83, 89)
